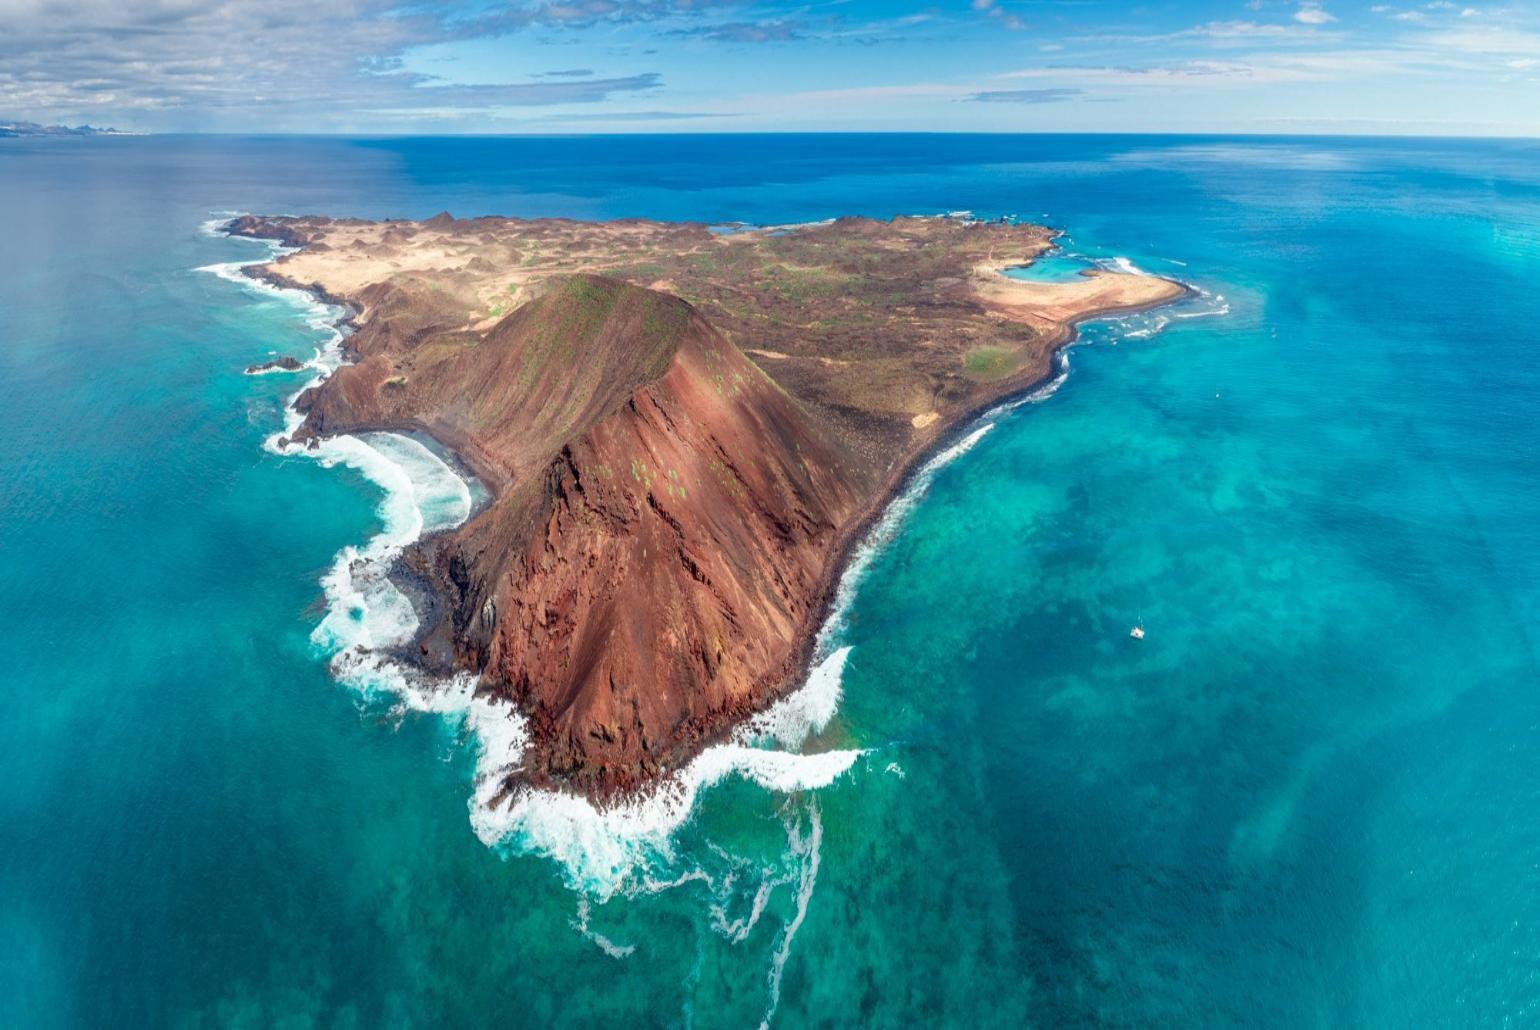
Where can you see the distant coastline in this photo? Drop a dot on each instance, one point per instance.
(28, 130)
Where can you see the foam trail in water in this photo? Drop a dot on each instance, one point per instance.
(736, 931)
(807, 847)
(609, 947)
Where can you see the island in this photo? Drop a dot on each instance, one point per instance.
(684, 429)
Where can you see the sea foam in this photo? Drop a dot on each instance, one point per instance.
(807, 846)
(604, 849)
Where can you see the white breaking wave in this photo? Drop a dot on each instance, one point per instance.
(1215, 305)
(1142, 325)
(602, 849)
(793, 719)
(215, 226)
(422, 495)
(1122, 264)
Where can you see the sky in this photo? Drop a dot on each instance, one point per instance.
(563, 66)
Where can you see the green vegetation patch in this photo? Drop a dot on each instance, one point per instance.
(989, 362)
(648, 271)
(798, 283)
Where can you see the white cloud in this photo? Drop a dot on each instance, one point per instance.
(1485, 40)
(275, 63)
(1195, 74)
(1313, 14)
(1261, 30)
(1230, 34)
(932, 90)
(1434, 54)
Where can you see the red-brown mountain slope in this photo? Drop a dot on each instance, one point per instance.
(664, 519)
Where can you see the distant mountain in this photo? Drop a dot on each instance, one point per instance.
(10, 129)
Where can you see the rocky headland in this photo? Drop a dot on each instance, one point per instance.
(684, 432)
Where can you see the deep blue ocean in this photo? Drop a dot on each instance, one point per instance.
(1310, 796)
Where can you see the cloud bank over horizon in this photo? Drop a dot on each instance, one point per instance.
(719, 65)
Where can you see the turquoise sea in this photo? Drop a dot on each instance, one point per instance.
(1310, 796)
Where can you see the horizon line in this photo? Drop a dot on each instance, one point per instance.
(1230, 134)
